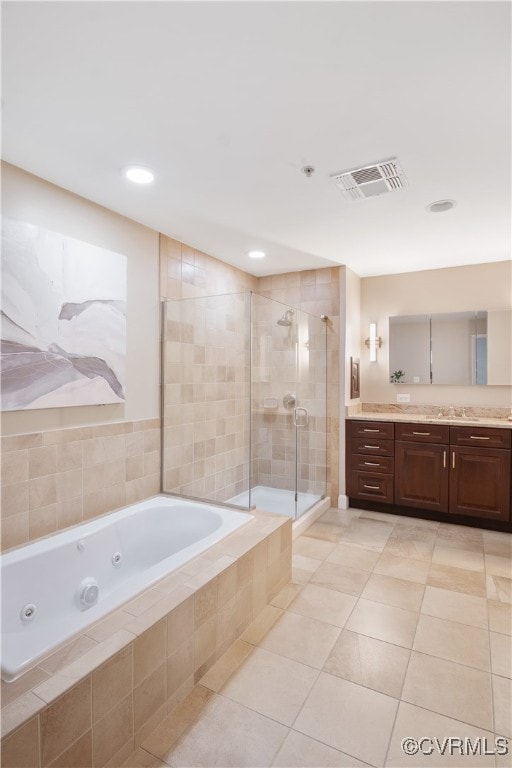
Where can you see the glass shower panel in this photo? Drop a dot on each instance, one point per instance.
(205, 397)
(288, 364)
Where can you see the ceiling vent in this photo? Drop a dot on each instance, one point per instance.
(371, 180)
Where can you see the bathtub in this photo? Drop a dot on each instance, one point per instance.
(58, 586)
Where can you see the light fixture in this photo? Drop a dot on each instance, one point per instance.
(440, 206)
(256, 254)
(373, 342)
(138, 174)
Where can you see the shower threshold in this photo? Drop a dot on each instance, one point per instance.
(276, 500)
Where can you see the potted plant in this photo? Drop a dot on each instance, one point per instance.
(397, 376)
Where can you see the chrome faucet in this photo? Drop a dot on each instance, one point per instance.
(451, 412)
(464, 414)
(440, 414)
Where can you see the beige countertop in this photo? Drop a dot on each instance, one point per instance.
(416, 418)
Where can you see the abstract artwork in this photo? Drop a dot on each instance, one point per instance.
(63, 320)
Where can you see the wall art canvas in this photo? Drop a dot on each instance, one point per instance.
(63, 320)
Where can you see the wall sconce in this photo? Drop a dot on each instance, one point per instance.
(373, 342)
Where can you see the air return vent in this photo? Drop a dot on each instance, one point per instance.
(371, 180)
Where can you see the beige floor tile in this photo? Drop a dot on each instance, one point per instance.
(271, 685)
(286, 595)
(455, 606)
(416, 723)
(460, 537)
(449, 689)
(341, 517)
(498, 566)
(456, 579)
(142, 759)
(411, 541)
(334, 576)
(301, 639)
(170, 730)
(369, 662)
(458, 558)
(305, 563)
(502, 697)
(326, 532)
(453, 641)
(500, 617)
(398, 592)
(322, 604)
(503, 751)
(402, 568)
(348, 717)
(218, 675)
(369, 534)
(308, 547)
(501, 654)
(299, 751)
(225, 734)
(353, 557)
(499, 588)
(256, 631)
(301, 577)
(497, 543)
(383, 622)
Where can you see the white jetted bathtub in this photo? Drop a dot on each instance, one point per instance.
(56, 587)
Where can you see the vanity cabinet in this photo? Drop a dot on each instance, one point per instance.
(480, 475)
(421, 460)
(447, 470)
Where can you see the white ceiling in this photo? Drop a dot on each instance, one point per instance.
(227, 101)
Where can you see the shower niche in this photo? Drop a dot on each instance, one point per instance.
(244, 403)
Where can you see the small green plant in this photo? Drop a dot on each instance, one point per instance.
(397, 376)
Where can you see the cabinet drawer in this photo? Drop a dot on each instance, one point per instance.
(372, 446)
(365, 485)
(382, 429)
(423, 433)
(480, 437)
(380, 465)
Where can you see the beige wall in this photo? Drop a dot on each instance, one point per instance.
(31, 199)
(456, 289)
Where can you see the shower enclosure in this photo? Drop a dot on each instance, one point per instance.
(244, 402)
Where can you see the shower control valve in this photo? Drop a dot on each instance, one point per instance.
(289, 401)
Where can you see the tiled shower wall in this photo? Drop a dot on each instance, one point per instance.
(61, 477)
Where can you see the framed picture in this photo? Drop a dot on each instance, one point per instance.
(354, 378)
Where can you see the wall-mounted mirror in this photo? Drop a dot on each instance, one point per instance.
(460, 348)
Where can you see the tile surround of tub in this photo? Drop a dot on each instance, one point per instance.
(57, 478)
(101, 701)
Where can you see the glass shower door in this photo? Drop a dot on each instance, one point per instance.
(288, 402)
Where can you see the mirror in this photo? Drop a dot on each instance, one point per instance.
(452, 348)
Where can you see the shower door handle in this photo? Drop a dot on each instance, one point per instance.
(301, 421)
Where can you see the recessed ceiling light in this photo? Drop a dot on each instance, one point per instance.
(256, 255)
(138, 174)
(441, 205)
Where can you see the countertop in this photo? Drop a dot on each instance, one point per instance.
(416, 418)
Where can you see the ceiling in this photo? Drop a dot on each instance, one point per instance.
(227, 101)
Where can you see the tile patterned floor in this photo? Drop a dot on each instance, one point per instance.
(392, 627)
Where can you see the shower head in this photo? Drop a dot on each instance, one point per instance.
(286, 319)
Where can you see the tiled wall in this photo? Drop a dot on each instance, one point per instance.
(206, 373)
(57, 478)
(206, 397)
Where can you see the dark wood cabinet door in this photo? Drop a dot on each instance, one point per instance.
(480, 482)
(421, 475)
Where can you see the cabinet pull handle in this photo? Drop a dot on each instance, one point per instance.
(421, 433)
(371, 430)
(444, 459)
(453, 460)
(371, 464)
(372, 487)
(477, 437)
(373, 446)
